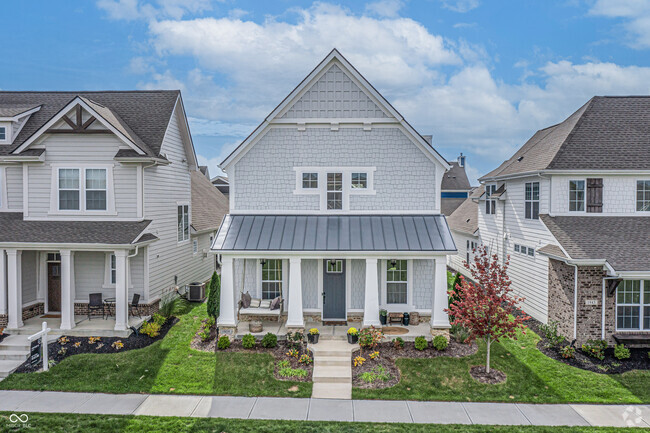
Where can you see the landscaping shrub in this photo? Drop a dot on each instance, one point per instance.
(152, 329)
(159, 319)
(568, 352)
(295, 339)
(595, 348)
(172, 305)
(248, 341)
(377, 373)
(369, 338)
(398, 343)
(270, 340)
(455, 289)
(284, 364)
(421, 343)
(621, 352)
(223, 343)
(204, 334)
(551, 334)
(214, 295)
(292, 372)
(459, 333)
(210, 322)
(440, 342)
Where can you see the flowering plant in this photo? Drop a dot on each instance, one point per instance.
(358, 361)
(305, 359)
(64, 340)
(374, 355)
(117, 345)
(293, 353)
(93, 340)
(353, 331)
(313, 331)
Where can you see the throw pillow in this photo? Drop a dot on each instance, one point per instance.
(255, 303)
(275, 303)
(266, 303)
(245, 300)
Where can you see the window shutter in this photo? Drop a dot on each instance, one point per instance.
(595, 195)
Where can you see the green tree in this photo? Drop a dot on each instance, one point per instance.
(214, 295)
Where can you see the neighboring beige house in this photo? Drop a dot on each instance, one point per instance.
(99, 193)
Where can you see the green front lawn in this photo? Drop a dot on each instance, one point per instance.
(71, 423)
(167, 366)
(531, 377)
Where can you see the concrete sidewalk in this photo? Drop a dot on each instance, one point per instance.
(327, 410)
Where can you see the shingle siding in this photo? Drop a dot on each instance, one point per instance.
(619, 193)
(423, 280)
(309, 269)
(358, 283)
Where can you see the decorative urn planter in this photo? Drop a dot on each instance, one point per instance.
(313, 338)
(353, 338)
(383, 314)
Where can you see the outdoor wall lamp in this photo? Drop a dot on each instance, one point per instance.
(263, 262)
(393, 262)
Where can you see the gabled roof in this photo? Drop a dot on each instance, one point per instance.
(607, 133)
(141, 115)
(342, 62)
(209, 205)
(465, 218)
(15, 110)
(606, 238)
(455, 178)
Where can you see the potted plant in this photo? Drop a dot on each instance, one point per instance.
(353, 336)
(313, 335)
(383, 314)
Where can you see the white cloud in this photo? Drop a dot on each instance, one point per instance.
(636, 16)
(385, 8)
(214, 161)
(460, 6)
(135, 9)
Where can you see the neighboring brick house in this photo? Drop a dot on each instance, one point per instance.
(571, 208)
(335, 208)
(99, 193)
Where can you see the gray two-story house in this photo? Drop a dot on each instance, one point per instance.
(335, 209)
(99, 193)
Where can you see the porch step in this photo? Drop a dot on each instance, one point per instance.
(15, 342)
(332, 361)
(332, 390)
(8, 367)
(13, 355)
(332, 374)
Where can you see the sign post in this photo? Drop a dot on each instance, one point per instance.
(38, 343)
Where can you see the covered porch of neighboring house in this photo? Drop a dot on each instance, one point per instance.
(62, 285)
(333, 270)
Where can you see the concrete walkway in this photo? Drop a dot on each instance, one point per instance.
(327, 410)
(332, 369)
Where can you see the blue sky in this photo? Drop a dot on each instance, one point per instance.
(480, 76)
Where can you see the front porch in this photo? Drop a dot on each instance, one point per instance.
(96, 327)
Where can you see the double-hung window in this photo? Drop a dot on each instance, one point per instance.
(334, 191)
(310, 180)
(532, 200)
(633, 305)
(396, 282)
(643, 195)
(95, 189)
(576, 196)
(69, 189)
(183, 222)
(272, 279)
(490, 204)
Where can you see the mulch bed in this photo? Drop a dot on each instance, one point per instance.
(639, 359)
(103, 345)
(479, 374)
(388, 353)
(279, 352)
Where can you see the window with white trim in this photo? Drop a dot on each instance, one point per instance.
(272, 279)
(195, 246)
(69, 189)
(359, 180)
(633, 305)
(95, 189)
(532, 200)
(335, 266)
(396, 282)
(113, 270)
(183, 222)
(310, 180)
(471, 246)
(490, 204)
(3, 133)
(523, 249)
(643, 195)
(576, 196)
(334, 191)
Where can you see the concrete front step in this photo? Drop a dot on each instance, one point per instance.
(332, 361)
(14, 355)
(15, 342)
(329, 374)
(340, 391)
(8, 367)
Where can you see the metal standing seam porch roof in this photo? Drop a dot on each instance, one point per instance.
(395, 233)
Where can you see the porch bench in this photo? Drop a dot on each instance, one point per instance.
(636, 339)
(260, 312)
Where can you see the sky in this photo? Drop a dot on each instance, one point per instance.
(480, 76)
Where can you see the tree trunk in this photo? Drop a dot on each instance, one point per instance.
(487, 364)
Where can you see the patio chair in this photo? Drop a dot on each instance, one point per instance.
(95, 303)
(135, 304)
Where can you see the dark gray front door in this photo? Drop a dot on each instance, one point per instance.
(334, 290)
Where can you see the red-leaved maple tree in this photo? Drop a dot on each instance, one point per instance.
(486, 306)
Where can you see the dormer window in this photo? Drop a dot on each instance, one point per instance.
(3, 133)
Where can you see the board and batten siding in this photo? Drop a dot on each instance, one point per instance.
(166, 186)
(265, 179)
(77, 151)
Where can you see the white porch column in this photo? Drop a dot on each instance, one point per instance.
(121, 291)
(439, 318)
(227, 316)
(15, 289)
(3, 283)
(371, 297)
(294, 317)
(67, 297)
